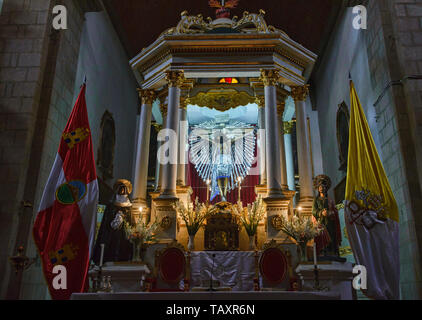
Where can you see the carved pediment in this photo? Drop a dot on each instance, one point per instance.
(221, 99)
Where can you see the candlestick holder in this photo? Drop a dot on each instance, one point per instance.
(317, 286)
(101, 283)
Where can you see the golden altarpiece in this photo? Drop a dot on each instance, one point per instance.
(184, 67)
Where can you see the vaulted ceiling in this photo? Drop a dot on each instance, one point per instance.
(140, 22)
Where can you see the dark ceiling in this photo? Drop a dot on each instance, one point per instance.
(140, 22)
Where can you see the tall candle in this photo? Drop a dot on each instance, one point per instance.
(239, 192)
(315, 255)
(102, 254)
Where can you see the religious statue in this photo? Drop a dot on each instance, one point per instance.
(326, 214)
(112, 231)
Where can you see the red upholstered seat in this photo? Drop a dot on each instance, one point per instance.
(273, 265)
(172, 265)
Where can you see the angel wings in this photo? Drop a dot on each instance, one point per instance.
(225, 151)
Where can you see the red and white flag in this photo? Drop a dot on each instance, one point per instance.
(65, 225)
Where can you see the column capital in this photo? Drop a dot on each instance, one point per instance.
(147, 96)
(260, 101)
(300, 93)
(288, 127)
(175, 78)
(269, 77)
(183, 103)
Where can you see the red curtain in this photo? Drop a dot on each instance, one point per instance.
(199, 187)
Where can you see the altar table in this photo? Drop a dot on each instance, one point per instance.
(234, 269)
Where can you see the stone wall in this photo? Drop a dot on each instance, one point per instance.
(395, 50)
(389, 49)
(41, 70)
(24, 44)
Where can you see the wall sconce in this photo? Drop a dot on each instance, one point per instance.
(21, 262)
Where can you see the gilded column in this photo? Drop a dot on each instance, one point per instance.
(300, 94)
(288, 127)
(270, 78)
(183, 140)
(142, 148)
(175, 81)
(260, 101)
(280, 110)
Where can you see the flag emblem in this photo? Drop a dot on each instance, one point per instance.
(76, 136)
(63, 255)
(71, 192)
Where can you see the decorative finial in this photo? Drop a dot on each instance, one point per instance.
(223, 7)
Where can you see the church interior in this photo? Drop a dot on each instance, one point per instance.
(216, 128)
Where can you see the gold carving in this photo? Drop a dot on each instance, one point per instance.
(260, 101)
(175, 78)
(300, 93)
(157, 126)
(196, 24)
(147, 96)
(280, 108)
(165, 223)
(270, 244)
(269, 77)
(288, 127)
(277, 222)
(221, 100)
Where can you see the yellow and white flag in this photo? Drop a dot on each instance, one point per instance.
(371, 212)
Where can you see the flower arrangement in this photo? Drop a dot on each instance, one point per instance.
(250, 216)
(194, 215)
(300, 228)
(141, 233)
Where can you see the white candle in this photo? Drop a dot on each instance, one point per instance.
(208, 190)
(102, 254)
(315, 255)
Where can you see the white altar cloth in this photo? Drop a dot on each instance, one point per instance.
(234, 269)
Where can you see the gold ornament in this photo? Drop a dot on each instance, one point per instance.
(147, 96)
(276, 222)
(175, 78)
(260, 101)
(269, 77)
(221, 100)
(300, 93)
(287, 127)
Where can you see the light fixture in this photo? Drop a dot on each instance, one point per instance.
(140, 209)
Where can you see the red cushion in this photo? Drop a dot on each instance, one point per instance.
(273, 265)
(172, 265)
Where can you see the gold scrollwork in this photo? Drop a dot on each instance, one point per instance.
(221, 100)
(276, 222)
(165, 223)
(196, 24)
(260, 101)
